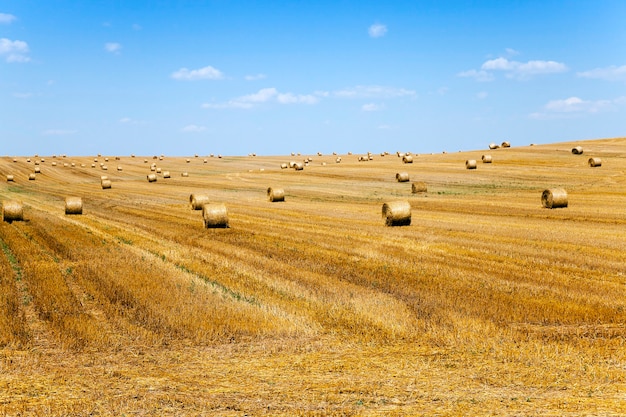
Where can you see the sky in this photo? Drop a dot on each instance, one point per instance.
(82, 77)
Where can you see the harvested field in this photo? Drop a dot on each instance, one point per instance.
(487, 303)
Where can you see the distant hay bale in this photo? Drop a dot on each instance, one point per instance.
(106, 159)
(119, 168)
(184, 174)
(158, 170)
(196, 201)
(506, 144)
(338, 160)
(14, 159)
(275, 194)
(93, 165)
(104, 167)
(486, 159)
(470, 164)
(407, 159)
(37, 170)
(298, 166)
(215, 216)
(397, 213)
(205, 161)
(73, 205)
(554, 198)
(402, 176)
(578, 150)
(284, 165)
(54, 164)
(151, 177)
(188, 160)
(10, 178)
(73, 164)
(595, 162)
(31, 177)
(152, 168)
(27, 159)
(36, 162)
(419, 187)
(166, 174)
(83, 165)
(12, 211)
(145, 161)
(103, 177)
(493, 146)
(106, 184)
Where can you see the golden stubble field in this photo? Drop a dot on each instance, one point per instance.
(487, 304)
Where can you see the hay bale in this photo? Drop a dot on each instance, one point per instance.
(158, 170)
(73, 164)
(486, 159)
(54, 164)
(103, 177)
(577, 150)
(284, 165)
(37, 170)
(407, 159)
(419, 187)
(506, 144)
(93, 165)
(119, 168)
(12, 211)
(214, 216)
(196, 201)
(10, 178)
(188, 160)
(554, 198)
(151, 177)
(470, 164)
(184, 174)
(275, 194)
(106, 184)
(338, 160)
(595, 162)
(73, 205)
(298, 166)
(152, 168)
(402, 176)
(166, 174)
(397, 213)
(493, 146)
(31, 177)
(104, 167)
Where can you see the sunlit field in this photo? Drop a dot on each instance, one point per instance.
(486, 304)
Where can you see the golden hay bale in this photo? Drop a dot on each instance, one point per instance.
(188, 160)
(298, 166)
(205, 161)
(419, 187)
(37, 170)
(31, 177)
(284, 165)
(196, 201)
(54, 164)
(106, 184)
(578, 150)
(119, 168)
(103, 177)
(14, 159)
(152, 168)
(506, 144)
(470, 164)
(106, 159)
(338, 160)
(275, 194)
(493, 146)
(73, 164)
(486, 159)
(397, 213)
(12, 211)
(27, 159)
(554, 198)
(407, 159)
(595, 162)
(151, 177)
(214, 215)
(166, 174)
(73, 205)
(158, 170)
(36, 162)
(10, 178)
(184, 174)
(93, 165)
(104, 167)
(402, 176)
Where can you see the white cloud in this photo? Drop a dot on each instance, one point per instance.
(206, 73)
(264, 95)
(377, 30)
(575, 106)
(15, 51)
(373, 91)
(612, 73)
(511, 52)
(372, 107)
(58, 132)
(289, 98)
(6, 18)
(255, 77)
(481, 76)
(193, 129)
(113, 47)
(514, 69)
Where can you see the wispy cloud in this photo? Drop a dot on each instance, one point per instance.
(612, 73)
(6, 18)
(514, 69)
(372, 107)
(377, 30)
(264, 95)
(193, 129)
(206, 73)
(575, 106)
(255, 77)
(59, 132)
(14, 51)
(511, 52)
(482, 95)
(113, 47)
(372, 91)
(130, 121)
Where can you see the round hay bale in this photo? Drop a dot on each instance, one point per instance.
(554, 198)
(12, 211)
(338, 160)
(28, 160)
(419, 187)
(470, 164)
(493, 146)
(93, 165)
(166, 174)
(10, 178)
(402, 176)
(196, 201)
(73, 164)
(158, 170)
(506, 144)
(104, 167)
(407, 159)
(106, 184)
(119, 168)
(37, 170)
(153, 168)
(397, 213)
(73, 205)
(31, 177)
(205, 161)
(298, 166)
(188, 160)
(577, 150)
(486, 159)
(106, 159)
(284, 165)
(14, 159)
(275, 194)
(184, 174)
(151, 177)
(595, 162)
(214, 215)
(54, 164)
(103, 177)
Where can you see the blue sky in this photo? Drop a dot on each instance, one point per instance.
(236, 77)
